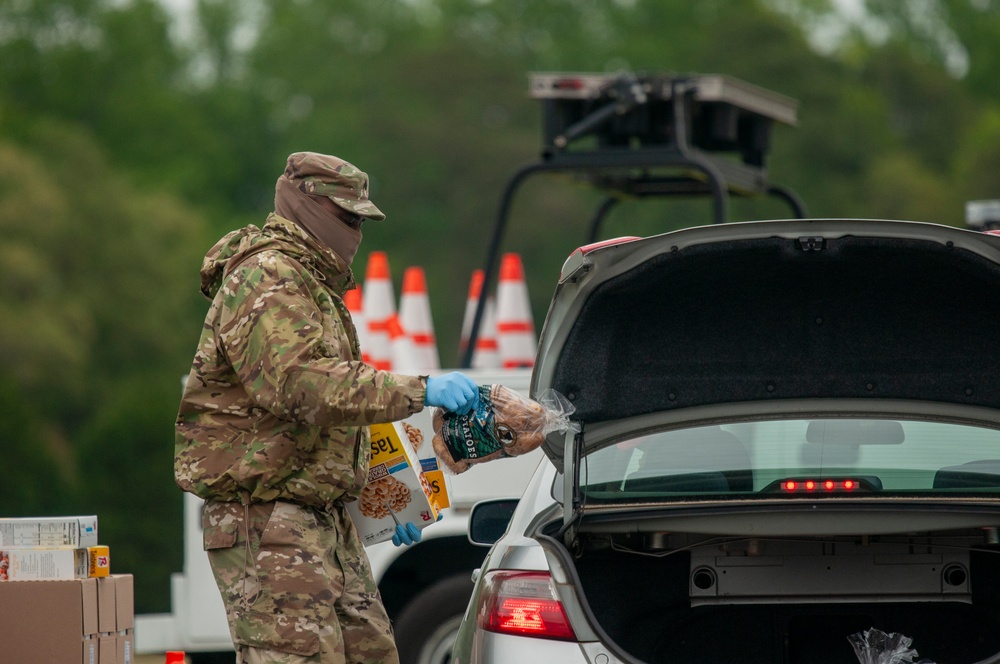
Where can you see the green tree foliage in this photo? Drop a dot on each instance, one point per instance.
(932, 66)
(47, 330)
(98, 298)
(123, 456)
(40, 485)
(977, 157)
(127, 146)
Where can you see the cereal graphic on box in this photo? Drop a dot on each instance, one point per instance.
(383, 495)
(397, 493)
(415, 435)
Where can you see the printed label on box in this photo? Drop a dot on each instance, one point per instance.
(435, 478)
(397, 491)
(73, 532)
(100, 561)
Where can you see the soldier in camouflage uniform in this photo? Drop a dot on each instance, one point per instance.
(272, 429)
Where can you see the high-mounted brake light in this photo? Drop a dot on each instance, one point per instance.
(567, 84)
(522, 604)
(830, 485)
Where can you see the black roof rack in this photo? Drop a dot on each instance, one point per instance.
(644, 135)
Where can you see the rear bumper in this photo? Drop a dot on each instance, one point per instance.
(490, 648)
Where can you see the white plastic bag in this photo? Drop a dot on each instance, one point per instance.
(873, 646)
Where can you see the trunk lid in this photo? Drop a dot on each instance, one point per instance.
(768, 319)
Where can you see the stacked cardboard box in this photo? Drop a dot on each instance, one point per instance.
(82, 620)
(58, 601)
(49, 621)
(115, 619)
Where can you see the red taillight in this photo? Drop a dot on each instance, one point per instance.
(522, 604)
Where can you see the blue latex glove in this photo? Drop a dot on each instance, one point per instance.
(405, 536)
(454, 392)
(409, 534)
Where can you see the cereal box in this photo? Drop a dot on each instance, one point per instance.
(397, 490)
(414, 427)
(53, 564)
(71, 532)
(435, 479)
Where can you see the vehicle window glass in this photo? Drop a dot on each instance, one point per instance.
(761, 458)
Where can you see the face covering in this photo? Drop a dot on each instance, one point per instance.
(297, 206)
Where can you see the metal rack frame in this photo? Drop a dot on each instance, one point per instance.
(651, 136)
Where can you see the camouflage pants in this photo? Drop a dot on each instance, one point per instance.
(297, 585)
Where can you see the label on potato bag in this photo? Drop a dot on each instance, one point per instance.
(472, 436)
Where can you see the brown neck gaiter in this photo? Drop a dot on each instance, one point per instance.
(295, 205)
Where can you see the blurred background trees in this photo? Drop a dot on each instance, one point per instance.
(134, 133)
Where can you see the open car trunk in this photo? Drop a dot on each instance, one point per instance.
(684, 598)
(713, 371)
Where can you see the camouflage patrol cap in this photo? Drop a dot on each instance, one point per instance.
(341, 181)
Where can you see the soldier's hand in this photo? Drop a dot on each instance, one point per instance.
(405, 536)
(454, 391)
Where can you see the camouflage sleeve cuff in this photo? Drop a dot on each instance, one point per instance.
(415, 390)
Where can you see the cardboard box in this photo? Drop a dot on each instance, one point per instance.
(107, 605)
(124, 602)
(49, 621)
(114, 603)
(107, 649)
(396, 492)
(53, 564)
(71, 532)
(126, 647)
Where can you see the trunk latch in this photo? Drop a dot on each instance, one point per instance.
(817, 243)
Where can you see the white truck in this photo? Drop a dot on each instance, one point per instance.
(425, 587)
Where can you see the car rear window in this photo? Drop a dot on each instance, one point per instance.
(832, 457)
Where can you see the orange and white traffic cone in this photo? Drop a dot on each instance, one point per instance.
(353, 302)
(485, 355)
(415, 317)
(515, 327)
(471, 302)
(378, 305)
(405, 357)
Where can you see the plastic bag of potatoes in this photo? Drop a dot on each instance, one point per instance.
(504, 424)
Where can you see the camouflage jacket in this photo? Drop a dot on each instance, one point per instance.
(277, 401)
